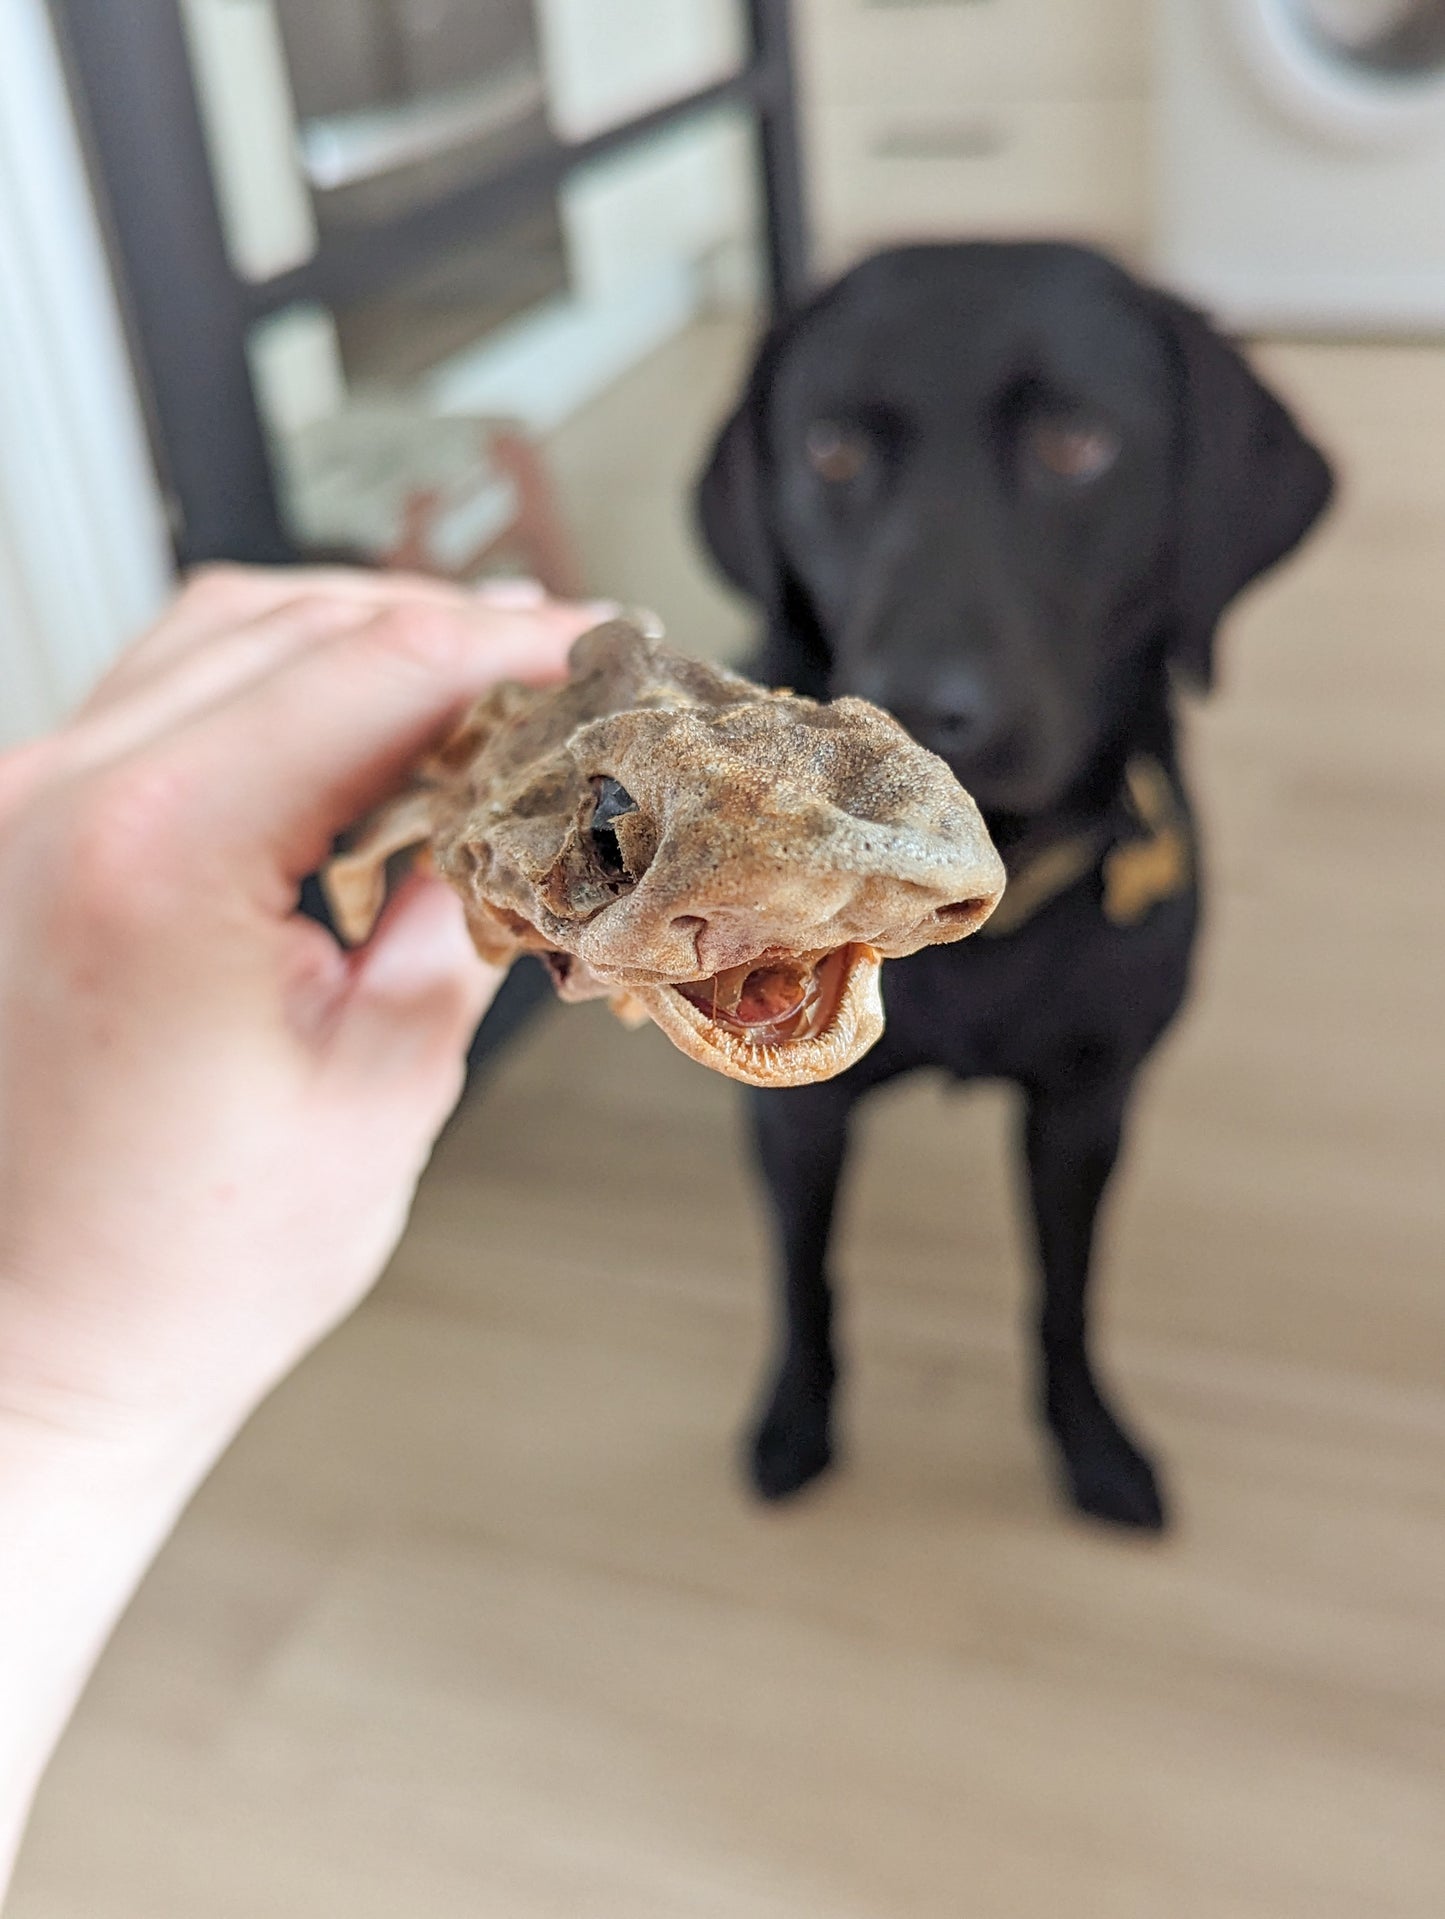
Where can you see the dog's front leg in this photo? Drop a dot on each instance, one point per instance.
(801, 1139)
(1072, 1136)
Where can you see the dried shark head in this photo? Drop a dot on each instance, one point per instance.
(730, 862)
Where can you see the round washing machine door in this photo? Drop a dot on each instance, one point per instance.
(1365, 73)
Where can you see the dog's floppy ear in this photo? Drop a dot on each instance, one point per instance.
(734, 506)
(733, 494)
(1251, 484)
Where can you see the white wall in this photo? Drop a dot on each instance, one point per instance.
(84, 558)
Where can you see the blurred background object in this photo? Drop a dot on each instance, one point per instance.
(84, 553)
(929, 119)
(1302, 161)
(333, 219)
(375, 256)
(475, 1617)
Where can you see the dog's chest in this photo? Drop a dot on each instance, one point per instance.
(1067, 983)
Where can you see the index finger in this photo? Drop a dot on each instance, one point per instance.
(273, 773)
(216, 599)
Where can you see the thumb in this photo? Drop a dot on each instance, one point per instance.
(416, 995)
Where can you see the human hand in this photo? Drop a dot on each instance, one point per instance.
(212, 1118)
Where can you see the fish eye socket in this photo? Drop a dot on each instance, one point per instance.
(1073, 448)
(837, 453)
(613, 801)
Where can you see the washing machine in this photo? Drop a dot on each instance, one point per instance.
(1300, 154)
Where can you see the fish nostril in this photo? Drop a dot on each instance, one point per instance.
(689, 927)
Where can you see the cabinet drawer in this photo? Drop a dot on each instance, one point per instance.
(881, 174)
(948, 50)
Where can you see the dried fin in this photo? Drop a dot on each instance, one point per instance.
(354, 882)
(632, 1011)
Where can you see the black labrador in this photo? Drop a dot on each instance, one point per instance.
(1006, 491)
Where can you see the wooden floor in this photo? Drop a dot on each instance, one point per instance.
(476, 1621)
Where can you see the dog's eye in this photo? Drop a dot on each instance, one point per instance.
(1074, 450)
(836, 453)
(613, 800)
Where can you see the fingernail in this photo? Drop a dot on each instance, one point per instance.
(602, 609)
(518, 592)
(646, 621)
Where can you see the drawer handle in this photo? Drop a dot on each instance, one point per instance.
(978, 139)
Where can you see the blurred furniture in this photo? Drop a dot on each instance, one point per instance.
(443, 496)
(220, 221)
(939, 119)
(1301, 155)
(531, 530)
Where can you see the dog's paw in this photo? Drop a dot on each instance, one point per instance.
(1116, 1483)
(792, 1445)
(1105, 1475)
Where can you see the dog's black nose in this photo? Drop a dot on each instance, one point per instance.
(951, 712)
(946, 730)
(961, 722)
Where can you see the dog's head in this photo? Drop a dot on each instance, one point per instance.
(992, 487)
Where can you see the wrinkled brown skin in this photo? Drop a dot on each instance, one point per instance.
(766, 826)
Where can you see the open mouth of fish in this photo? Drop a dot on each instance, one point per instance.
(780, 1020)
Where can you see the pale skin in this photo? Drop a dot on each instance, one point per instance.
(212, 1119)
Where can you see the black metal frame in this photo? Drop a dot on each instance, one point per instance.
(188, 311)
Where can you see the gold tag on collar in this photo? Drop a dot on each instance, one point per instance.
(1143, 872)
(1139, 873)
(1136, 873)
